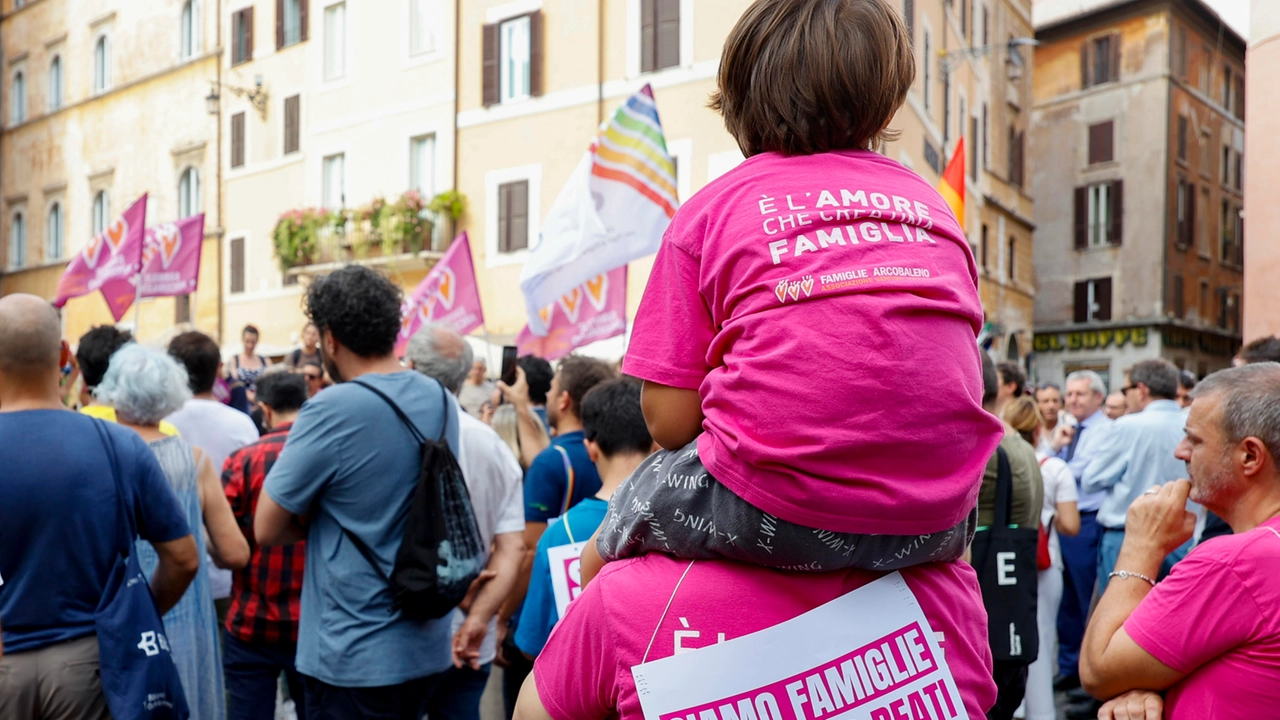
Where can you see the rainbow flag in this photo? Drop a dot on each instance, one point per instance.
(951, 186)
(613, 209)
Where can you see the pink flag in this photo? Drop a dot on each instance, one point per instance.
(447, 295)
(594, 310)
(171, 257)
(108, 262)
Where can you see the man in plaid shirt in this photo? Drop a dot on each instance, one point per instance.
(262, 624)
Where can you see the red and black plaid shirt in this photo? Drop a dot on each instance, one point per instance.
(266, 593)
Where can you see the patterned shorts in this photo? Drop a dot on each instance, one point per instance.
(672, 505)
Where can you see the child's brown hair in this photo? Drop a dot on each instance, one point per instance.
(808, 76)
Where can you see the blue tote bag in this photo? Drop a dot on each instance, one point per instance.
(139, 678)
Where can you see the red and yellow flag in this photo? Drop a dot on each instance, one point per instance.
(951, 187)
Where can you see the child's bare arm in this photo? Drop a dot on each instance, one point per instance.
(674, 415)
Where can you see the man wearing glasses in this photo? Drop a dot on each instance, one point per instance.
(1137, 454)
(315, 378)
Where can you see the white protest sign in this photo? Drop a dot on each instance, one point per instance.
(566, 574)
(868, 655)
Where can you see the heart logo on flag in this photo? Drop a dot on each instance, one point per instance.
(92, 251)
(781, 291)
(571, 304)
(597, 288)
(545, 314)
(793, 289)
(807, 285)
(115, 233)
(447, 289)
(170, 241)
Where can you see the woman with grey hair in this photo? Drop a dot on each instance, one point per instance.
(145, 385)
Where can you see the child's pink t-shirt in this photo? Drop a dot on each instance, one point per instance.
(1217, 618)
(585, 669)
(826, 309)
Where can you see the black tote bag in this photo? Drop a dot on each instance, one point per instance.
(1005, 559)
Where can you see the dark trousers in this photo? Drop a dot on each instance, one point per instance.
(405, 701)
(457, 696)
(514, 674)
(1011, 685)
(251, 671)
(1080, 556)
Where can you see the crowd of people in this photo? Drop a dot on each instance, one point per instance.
(783, 432)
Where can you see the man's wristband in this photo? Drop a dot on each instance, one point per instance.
(1126, 574)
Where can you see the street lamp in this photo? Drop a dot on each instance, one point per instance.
(257, 97)
(950, 58)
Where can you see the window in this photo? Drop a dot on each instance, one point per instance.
(1226, 86)
(291, 22)
(1179, 302)
(422, 163)
(101, 211)
(513, 216)
(1100, 60)
(1206, 154)
(909, 16)
(986, 148)
(237, 265)
(946, 109)
(101, 64)
(292, 123)
(55, 83)
(928, 66)
(334, 189)
(974, 148)
(1229, 249)
(188, 40)
(181, 309)
(1228, 309)
(1204, 300)
(189, 193)
(18, 98)
(242, 36)
(335, 41)
(1239, 97)
(422, 36)
(964, 18)
(1205, 53)
(1093, 300)
(54, 234)
(659, 34)
(1017, 163)
(1185, 209)
(1102, 142)
(1238, 178)
(1226, 165)
(986, 26)
(1012, 269)
(1098, 214)
(983, 247)
(1205, 213)
(237, 140)
(514, 70)
(18, 241)
(1180, 54)
(1183, 127)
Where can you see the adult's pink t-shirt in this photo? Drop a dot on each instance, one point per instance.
(1217, 618)
(826, 309)
(585, 669)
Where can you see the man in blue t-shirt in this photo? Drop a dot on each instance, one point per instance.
(559, 477)
(60, 529)
(351, 465)
(617, 440)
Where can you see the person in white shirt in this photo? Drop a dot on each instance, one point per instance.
(206, 423)
(494, 479)
(1058, 516)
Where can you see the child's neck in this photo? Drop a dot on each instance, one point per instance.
(616, 469)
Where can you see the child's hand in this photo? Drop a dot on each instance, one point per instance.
(518, 393)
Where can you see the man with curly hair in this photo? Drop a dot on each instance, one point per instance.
(350, 467)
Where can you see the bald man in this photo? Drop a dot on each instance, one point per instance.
(59, 544)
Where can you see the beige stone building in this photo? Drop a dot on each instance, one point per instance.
(104, 100)
(1262, 214)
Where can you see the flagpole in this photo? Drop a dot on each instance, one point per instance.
(488, 346)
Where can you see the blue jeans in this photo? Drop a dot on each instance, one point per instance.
(457, 696)
(251, 672)
(1080, 556)
(1109, 550)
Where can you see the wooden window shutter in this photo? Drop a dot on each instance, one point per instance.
(1102, 298)
(1117, 212)
(648, 35)
(1183, 126)
(909, 15)
(1115, 58)
(537, 54)
(292, 122)
(181, 309)
(518, 216)
(1239, 96)
(490, 61)
(1082, 217)
(1179, 297)
(1191, 215)
(1084, 64)
(279, 24)
(237, 140)
(504, 218)
(248, 33)
(303, 18)
(1101, 142)
(1081, 309)
(667, 49)
(237, 265)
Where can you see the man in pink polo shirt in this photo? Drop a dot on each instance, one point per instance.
(633, 611)
(1209, 634)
